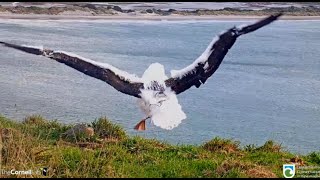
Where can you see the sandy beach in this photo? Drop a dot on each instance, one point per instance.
(144, 17)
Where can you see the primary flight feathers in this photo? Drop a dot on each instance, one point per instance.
(194, 75)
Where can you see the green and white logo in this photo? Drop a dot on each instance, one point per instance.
(289, 170)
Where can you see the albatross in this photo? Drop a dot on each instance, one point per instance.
(156, 92)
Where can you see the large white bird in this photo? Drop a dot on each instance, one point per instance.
(156, 92)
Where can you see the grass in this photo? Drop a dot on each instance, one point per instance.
(110, 152)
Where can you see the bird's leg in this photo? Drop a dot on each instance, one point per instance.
(141, 125)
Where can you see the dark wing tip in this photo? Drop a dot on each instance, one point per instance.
(259, 24)
(275, 16)
(3, 43)
(31, 50)
(278, 15)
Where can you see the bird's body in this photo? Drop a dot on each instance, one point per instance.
(158, 101)
(156, 92)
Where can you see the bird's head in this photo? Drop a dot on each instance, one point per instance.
(155, 72)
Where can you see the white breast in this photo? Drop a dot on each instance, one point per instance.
(165, 110)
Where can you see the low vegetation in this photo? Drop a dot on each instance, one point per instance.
(109, 152)
(91, 9)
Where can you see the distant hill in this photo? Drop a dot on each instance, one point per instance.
(163, 9)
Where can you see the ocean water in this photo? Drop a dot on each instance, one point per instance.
(268, 86)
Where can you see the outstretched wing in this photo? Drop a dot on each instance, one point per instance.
(120, 80)
(202, 68)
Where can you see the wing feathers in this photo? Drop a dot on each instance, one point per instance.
(202, 68)
(120, 80)
(194, 75)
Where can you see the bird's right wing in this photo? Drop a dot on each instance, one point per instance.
(120, 80)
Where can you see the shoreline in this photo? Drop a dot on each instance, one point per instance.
(146, 17)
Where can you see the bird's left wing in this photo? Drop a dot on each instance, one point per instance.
(120, 80)
(202, 68)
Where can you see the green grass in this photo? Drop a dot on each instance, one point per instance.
(36, 143)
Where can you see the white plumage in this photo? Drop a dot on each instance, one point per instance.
(162, 107)
(155, 91)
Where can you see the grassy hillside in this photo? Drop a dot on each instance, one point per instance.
(110, 152)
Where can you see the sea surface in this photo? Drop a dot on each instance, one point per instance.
(268, 86)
